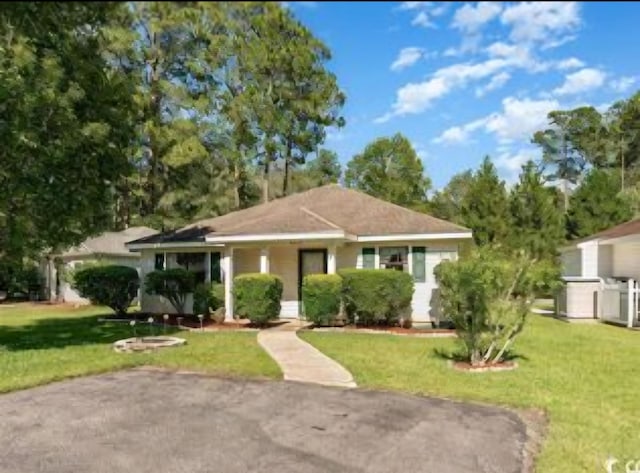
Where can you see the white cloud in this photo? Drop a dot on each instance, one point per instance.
(470, 19)
(582, 81)
(425, 12)
(511, 162)
(623, 84)
(459, 134)
(544, 22)
(495, 83)
(423, 19)
(420, 150)
(519, 118)
(407, 57)
(569, 63)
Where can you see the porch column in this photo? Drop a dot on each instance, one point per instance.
(331, 259)
(264, 260)
(207, 267)
(227, 267)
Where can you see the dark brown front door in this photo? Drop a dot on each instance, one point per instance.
(310, 262)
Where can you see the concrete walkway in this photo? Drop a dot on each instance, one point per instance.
(300, 361)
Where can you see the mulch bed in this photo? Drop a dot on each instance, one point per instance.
(377, 329)
(466, 367)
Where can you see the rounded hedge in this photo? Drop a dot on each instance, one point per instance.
(321, 295)
(113, 286)
(257, 296)
(376, 296)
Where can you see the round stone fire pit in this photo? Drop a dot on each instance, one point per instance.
(142, 344)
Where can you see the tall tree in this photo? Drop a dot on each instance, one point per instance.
(536, 222)
(597, 204)
(389, 168)
(66, 124)
(484, 207)
(324, 168)
(447, 203)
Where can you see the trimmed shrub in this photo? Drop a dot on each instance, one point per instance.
(175, 284)
(113, 286)
(208, 298)
(257, 296)
(487, 295)
(321, 294)
(376, 296)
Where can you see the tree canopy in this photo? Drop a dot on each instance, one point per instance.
(389, 168)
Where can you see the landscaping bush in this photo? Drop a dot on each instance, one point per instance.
(113, 286)
(257, 296)
(487, 296)
(174, 284)
(208, 298)
(376, 296)
(321, 295)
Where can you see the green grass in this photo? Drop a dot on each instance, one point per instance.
(40, 344)
(585, 377)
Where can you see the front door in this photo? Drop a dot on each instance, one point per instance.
(310, 262)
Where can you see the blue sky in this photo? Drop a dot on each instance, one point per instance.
(462, 80)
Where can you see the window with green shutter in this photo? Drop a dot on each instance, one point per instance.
(419, 268)
(216, 275)
(368, 258)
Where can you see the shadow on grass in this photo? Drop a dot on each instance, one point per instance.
(72, 331)
(458, 355)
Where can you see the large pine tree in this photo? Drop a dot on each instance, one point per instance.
(536, 223)
(596, 204)
(484, 208)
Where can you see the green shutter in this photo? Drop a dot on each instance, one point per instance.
(368, 258)
(215, 267)
(418, 263)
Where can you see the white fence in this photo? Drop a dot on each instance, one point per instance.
(619, 302)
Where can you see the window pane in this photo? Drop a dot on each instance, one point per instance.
(394, 258)
(418, 263)
(193, 262)
(215, 267)
(368, 258)
(159, 264)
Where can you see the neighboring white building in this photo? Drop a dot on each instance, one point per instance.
(108, 247)
(318, 231)
(595, 266)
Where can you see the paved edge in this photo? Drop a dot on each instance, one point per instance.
(300, 361)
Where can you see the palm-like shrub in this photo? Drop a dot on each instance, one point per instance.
(175, 284)
(113, 286)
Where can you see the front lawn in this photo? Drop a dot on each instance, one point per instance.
(586, 377)
(40, 344)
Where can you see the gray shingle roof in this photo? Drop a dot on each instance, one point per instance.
(109, 243)
(326, 208)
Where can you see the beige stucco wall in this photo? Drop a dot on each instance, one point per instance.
(578, 300)
(246, 260)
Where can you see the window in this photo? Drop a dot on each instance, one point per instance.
(193, 262)
(418, 262)
(368, 258)
(216, 274)
(159, 264)
(394, 258)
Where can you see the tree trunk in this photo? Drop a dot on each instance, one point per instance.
(236, 185)
(265, 182)
(287, 162)
(621, 166)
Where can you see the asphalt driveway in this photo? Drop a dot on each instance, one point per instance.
(148, 421)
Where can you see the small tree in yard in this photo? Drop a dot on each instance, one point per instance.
(488, 296)
(174, 284)
(113, 286)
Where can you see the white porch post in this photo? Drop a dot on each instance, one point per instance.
(207, 267)
(631, 302)
(331, 260)
(264, 260)
(227, 264)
